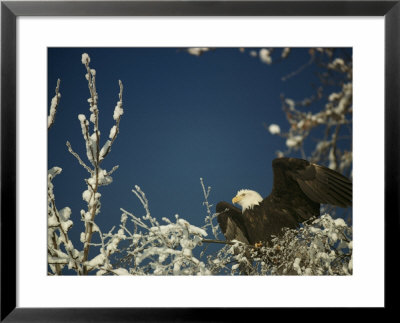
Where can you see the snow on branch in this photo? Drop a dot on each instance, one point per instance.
(323, 247)
(159, 249)
(198, 51)
(53, 106)
(58, 224)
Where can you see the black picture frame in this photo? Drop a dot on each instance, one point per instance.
(10, 10)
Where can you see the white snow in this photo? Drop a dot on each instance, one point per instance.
(290, 103)
(339, 222)
(85, 59)
(332, 159)
(323, 144)
(265, 56)
(53, 108)
(88, 216)
(113, 245)
(274, 129)
(253, 53)
(104, 149)
(93, 137)
(124, 217)
(83, 237)
(113, 131)
(296, 265)
(54, 171)
(285, 52)
(97, 261)
(104, 178)
(308, 272)
(187, 252)
(52, 221)
(121, 272)
(293, 141)
(65, 213)
(197, 51)
(118, 111)
(86, 195)
(92, 181)
(338, 62)
(334, 96)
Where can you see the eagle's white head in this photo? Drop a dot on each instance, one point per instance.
(247, 199)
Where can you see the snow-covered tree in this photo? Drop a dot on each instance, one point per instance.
(61, 250)
(330, 120)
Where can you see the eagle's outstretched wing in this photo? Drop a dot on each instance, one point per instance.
(230, 220)
(298, 190)
(318, 183)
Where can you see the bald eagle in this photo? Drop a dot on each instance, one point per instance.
(299, 188)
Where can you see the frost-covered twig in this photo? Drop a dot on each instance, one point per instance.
(78, 158)
(113, 170)
(210, 216)
(53, 106)
(300, 69)
(108, 246)
(115, 129)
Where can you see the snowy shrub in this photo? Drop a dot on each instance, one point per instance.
(159, 249)
(323, 247)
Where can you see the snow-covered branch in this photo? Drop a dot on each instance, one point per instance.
(59, 220)
(58, 224)
(160, 249)
(95, 155)
(53, 106)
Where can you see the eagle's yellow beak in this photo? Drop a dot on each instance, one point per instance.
(236, 199)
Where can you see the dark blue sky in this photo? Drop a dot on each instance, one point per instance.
(185, 117)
